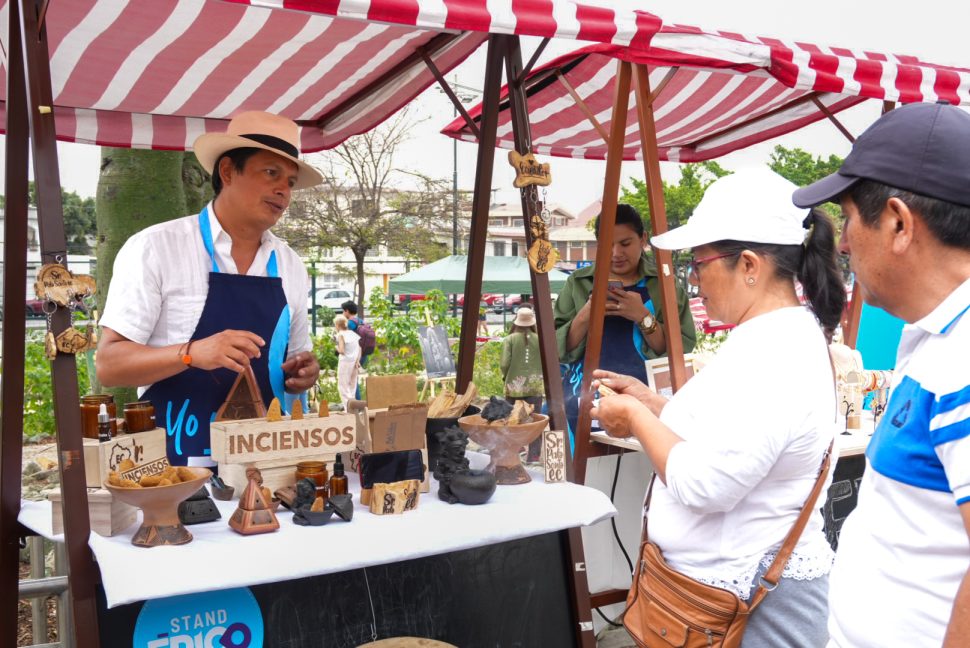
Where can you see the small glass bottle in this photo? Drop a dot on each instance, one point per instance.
(338, 483)
(104, 424)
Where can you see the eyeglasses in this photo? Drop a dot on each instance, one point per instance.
(693, 268)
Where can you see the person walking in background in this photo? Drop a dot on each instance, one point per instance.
(737, 450)
(522, 367)
(348, 359)
(902, 573)
(482, 320)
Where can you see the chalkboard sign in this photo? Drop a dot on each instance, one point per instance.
(438, 361)
(843, 495)
(510, 595)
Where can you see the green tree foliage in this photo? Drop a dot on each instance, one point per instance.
(801, 168)
(79, 220)
(680, 199)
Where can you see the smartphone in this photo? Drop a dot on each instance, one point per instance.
(610, 286)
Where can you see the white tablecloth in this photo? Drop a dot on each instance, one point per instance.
(219, 558)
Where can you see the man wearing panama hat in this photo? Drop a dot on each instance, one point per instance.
(197, 299)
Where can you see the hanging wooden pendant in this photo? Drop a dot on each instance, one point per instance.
(542, 256)
(528, 170)
(50, 346)
(57, 284)
(71, 340)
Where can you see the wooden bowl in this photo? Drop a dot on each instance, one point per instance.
(503, 443)
(159, 506)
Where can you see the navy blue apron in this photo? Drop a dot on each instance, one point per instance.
(187, 402)
(620, 353)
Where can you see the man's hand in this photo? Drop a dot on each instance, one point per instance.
(229, 349)
(625, 303)
(615, 414)
(630, 386)
(302, 371)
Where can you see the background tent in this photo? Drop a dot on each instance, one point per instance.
(503, 276)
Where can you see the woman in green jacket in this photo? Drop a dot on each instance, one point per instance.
(522, 367)
(632, 330)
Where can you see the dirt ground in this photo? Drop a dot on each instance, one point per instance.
(24, 626)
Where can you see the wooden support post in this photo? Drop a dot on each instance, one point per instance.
(594, 338)
(658, 222)
(541, 293)
(480, 206)
(850, 324)
(53, 244)
(14, 298)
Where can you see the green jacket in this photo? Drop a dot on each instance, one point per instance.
(521, 366)
(576, 292)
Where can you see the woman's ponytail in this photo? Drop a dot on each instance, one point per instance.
(819, 273)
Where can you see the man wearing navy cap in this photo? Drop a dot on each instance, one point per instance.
(901, 571)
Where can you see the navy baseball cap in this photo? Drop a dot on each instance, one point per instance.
(923, 148)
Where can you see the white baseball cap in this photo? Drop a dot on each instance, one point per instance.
(751, 205)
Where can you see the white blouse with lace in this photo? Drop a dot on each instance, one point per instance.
(755, 422)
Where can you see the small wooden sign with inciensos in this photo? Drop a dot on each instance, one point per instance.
(554, 456)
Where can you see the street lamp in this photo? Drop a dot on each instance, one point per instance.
(464, 94)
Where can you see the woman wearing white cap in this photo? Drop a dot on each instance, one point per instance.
(738, 449)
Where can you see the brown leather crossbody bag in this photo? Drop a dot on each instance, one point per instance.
(665, 608)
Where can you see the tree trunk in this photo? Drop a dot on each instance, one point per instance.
(196, 183)
(137, 188)
(361, 290)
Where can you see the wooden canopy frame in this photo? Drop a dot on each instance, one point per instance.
(31, 130)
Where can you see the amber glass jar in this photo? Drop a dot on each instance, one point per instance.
(89, 414)
(140, 416)
(317, 471)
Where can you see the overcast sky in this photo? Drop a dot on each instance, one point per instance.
(935, 30)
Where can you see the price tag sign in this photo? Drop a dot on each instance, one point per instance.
(554, 456)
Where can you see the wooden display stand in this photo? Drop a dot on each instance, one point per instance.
(275, 447)
(145, 449)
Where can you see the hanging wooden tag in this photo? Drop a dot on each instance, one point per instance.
(554, 456)
(71, 340)
(57, 284)
(529, 171)
(50, 346)
(542, 256)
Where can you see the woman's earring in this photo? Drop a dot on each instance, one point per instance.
(750, 281)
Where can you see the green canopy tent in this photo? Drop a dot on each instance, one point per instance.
(502, 275)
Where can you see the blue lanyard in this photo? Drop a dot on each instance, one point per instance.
(272, 270)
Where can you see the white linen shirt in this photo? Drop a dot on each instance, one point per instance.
(756, 422)
(161, 280)
(903, 551)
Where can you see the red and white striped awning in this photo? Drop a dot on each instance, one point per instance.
(158, 74)
(719, 92)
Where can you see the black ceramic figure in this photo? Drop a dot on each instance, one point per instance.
(497, 408)
(306, 517)
(198, 508)
(452, 460)
(472, 486)
(342, 505)
(436, 425)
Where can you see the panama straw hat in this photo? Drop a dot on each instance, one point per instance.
(525, 317)
(262, 130)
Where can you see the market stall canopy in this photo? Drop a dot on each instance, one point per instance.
(158, 74)
(502, 276)
(714, 92)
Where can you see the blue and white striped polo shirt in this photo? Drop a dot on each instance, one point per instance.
(904, 550)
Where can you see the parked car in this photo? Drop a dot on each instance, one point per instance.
(330, 298)
(34, 309)
(488, 298)
(403, 302)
